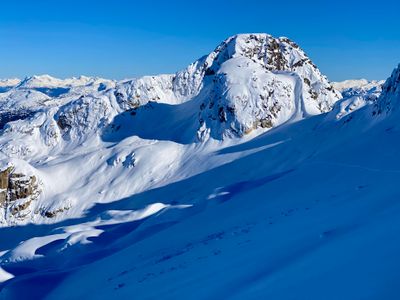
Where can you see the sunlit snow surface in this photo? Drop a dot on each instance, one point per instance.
(307, 210)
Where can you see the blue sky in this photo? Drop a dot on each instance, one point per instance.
(120, 39)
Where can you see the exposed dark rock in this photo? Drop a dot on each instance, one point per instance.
(313, 94)
(21, 186)
(276, 58)
(15, 209)
(222, 114)
(63, 123)
(4, 177)
(209, 72)
(16, 187)
(53, 213)
(266, 123)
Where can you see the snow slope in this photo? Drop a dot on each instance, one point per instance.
(137, 200)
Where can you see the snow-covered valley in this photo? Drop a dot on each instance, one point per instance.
(247, 175)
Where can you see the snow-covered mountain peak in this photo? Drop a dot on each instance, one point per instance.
(284, 85)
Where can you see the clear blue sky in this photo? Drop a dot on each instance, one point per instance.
(119, 39)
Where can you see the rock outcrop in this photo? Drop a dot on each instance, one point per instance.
(17, 190)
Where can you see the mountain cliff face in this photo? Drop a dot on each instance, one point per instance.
(389, 100)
